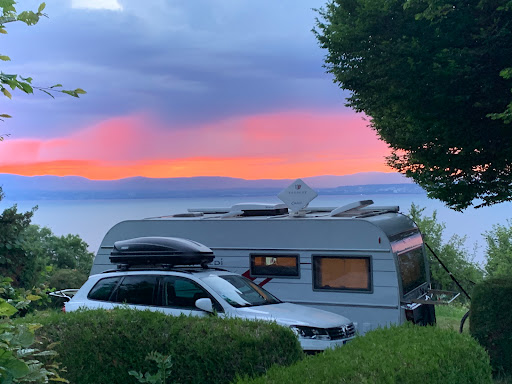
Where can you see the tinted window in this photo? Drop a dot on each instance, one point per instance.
(275, 265)
(412, 269)
(103, 289)
(182, 293)
(342, 273)
(136, 290)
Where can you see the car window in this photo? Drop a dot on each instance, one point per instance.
(239, 291)
(103, 288)
(181, 292)
(137, 290)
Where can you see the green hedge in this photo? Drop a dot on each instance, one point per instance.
(406, 355)
(100, 347)
(491, 321)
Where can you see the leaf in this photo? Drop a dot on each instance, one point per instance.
(41, 7)
(59, 379)
(33, 297)
(16, 368)
(80, 91)
(3, 31)
(5, 58)
(7, 309)
(71, 93)
(25, 87)
(48, 93)
(5, 115)
(6, 93)
(56, 85)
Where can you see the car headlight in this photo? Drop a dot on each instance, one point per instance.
(310, 332)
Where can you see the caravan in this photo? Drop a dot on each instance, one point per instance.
(361, 261)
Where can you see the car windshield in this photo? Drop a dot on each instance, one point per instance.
(239, 291)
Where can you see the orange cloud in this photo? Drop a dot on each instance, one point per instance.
(281, 145)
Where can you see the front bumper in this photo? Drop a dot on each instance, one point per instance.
(314, 345)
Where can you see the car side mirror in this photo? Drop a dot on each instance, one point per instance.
(205, 305)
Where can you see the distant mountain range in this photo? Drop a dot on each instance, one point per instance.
(18, 187)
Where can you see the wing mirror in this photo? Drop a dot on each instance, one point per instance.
(205, 305)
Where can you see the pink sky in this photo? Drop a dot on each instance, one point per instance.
(278, 145)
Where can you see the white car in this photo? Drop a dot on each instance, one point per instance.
(199, 292)
(147, 278)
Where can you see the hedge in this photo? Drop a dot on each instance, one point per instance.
(101, 347)
(407, 355)
(491, 321)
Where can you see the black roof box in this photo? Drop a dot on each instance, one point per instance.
(160, 250)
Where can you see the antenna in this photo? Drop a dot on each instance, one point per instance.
(297, 196)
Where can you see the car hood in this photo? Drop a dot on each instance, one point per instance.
(293, 314)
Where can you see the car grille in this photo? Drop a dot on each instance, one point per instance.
(342, 332)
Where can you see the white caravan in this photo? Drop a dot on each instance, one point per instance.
(364, 262)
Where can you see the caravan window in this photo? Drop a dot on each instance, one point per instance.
(275, 265)
(412, 269)
(342, 273)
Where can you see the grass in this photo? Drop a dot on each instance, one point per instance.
(449, 317)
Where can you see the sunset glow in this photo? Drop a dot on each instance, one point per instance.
(282, 145)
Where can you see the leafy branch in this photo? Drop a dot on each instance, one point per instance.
(14, 81)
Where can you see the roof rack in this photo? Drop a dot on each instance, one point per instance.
(165, 252)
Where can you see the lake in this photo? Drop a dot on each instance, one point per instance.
(91, 219)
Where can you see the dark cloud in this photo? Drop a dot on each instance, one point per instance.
(186, 61)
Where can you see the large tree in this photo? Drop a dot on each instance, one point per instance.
(434, 78)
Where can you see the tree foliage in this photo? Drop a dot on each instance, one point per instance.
(8, 14)
(499, 250)
(435, 78)
(21, 266)
(453, 253)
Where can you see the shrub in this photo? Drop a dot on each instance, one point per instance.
(408, 355)
(491, 321)
(103, 346)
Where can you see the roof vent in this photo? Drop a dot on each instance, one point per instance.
(160, 250)
(350, 209)
(259, 209)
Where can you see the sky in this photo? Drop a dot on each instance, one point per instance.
(180, 88)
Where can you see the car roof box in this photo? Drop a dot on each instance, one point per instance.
(160, 250)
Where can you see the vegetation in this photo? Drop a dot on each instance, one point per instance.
(406, 354)
(31, 255)
(434, 78)
(491, 321)
(499, 250)
(103, 346)
(20, 358)
(452, 253)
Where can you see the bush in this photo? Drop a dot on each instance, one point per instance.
(103, 346)
(491, 321)
(408, 355)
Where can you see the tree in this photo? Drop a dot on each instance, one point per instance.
(22, 267)
(452, 253)
(14, 81)
(499, 250)
(59, 252)
(435, 79)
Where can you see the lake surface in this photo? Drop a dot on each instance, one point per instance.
(91, 219)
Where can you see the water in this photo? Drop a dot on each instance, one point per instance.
(91, 219)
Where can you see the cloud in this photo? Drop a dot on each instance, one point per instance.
(285, 144)
(111, 5)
